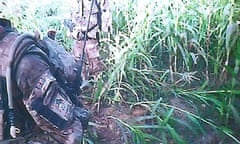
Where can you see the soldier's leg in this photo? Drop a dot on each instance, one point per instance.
(94, 64)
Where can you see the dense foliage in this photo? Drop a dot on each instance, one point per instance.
(160, 51)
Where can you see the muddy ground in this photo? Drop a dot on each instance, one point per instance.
(106, 126)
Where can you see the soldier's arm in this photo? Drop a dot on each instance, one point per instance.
(28, 71)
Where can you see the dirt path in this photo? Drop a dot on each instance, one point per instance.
(106, 125)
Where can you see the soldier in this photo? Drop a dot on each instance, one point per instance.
(86, 21)
(40, 80)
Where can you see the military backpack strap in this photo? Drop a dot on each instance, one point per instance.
(1, 109)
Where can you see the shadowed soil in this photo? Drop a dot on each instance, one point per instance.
(106, 126)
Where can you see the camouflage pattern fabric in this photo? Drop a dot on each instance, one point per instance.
(100, 19)
(27, 73)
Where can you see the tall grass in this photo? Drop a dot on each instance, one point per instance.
(160, 51)
(183, 49)
(38, 15)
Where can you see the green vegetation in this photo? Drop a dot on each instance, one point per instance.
(180, 59)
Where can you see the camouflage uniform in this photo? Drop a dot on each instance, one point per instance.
(40, 88)
(100, 19)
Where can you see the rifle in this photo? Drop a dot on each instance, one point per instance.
(83, 36)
